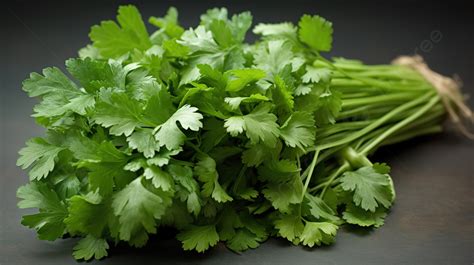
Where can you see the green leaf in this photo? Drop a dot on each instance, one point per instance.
(234, 102)
(243, 240)
(163, 157)
(159, 178)
(52, 82)
(316, 32)
(303, 89)
(371, 186)
(114, 40)
(278, 171)
(289, 226)
(169, 23)
(299, 130)
(319, 209)
(221, 33)
(83, 212)
(40, 155)
(144, 141)
(318, 233)
(59, 94)
(198, 238)
(138, 207)
(274, 55)
(282, 96)
(315, 75)
(243, 77)
(206, 171)
(199, 40)
(89, 247)
(80, 104)
(119, 112)
(183, 175)
(281, 195)
(279, 30)
(357, 216)
(257, 154)
(259, 125)
(48, 223)
(168, 134)
(240, 24)
(93, 74)
(324, 102)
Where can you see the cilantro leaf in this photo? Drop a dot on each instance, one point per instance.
(53, 81)
(299, 130)
(274, 55)
(168, 134)
(234, 102)
(144, 141)
(221, 33)
(119, 112)
(183, 175)
(40, 155)
(159, 178)
(198, 238)
(371, 186)
(93, 74)
(206, 171)
(281, 195)
(89, 247)
(316, 32)
(259, 125)
(289, 226)
(83, 211)
(52, 211)
(324, 102)
(317, 233)
(137, 207)
(319, 209)
(278, 171)
(113, 40)
(243, 239)
(315, 75)
(243, 77)
(168, 24)
(285, 29)
(356, 215)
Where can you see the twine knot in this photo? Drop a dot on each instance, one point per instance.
(449, 90)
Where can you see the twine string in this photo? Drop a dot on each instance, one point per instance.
(449, 90)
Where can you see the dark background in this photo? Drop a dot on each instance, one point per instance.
(432, 219)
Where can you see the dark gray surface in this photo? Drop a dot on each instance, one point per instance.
(432, 219)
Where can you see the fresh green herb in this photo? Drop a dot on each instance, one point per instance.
(224, 140)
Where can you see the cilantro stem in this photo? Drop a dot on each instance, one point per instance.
(412, 134)
(239, 179)
(376, 123)
(310, 172)
(400, 124)
(338, 172)
(382, 99)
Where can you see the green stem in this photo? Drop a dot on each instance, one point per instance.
(342, 169)
(382, 100)
(239, 179)
(399, 125)
(412, 134)
(310, 172)
(376, 123)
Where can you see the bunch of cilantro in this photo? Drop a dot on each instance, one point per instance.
(223, 140)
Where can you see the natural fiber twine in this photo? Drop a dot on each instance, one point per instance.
(449, 90)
